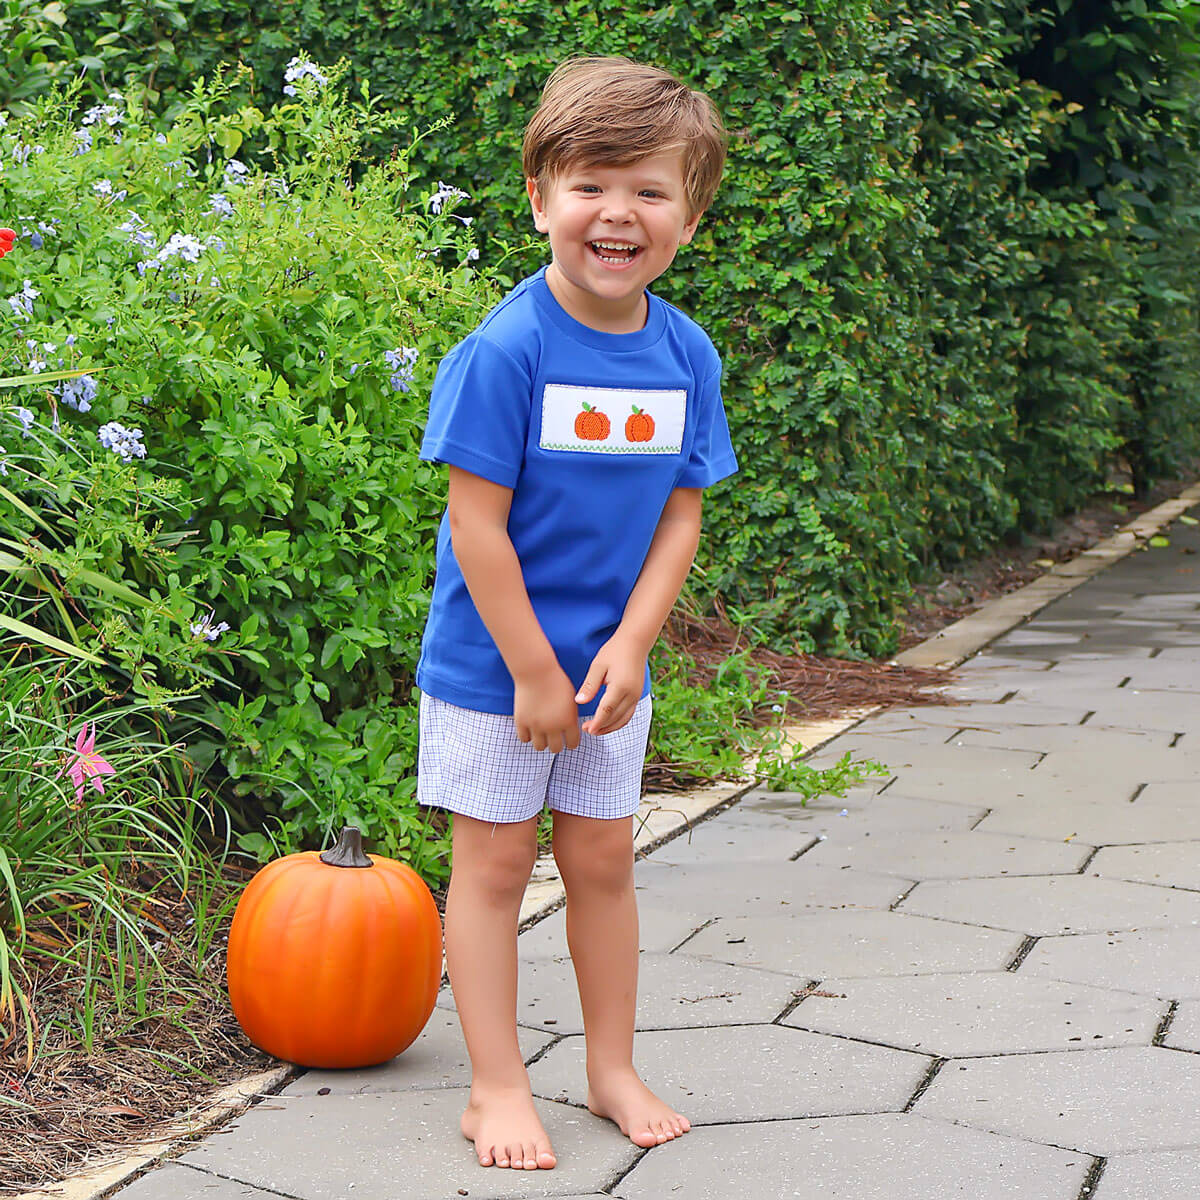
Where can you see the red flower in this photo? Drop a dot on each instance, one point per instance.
(7, 237)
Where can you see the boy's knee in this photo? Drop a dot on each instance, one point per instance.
(602, 866)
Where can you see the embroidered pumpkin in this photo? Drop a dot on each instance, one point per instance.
(592, 425)
(335, 958)
(639, 427)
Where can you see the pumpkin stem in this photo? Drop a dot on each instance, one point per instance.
(348, 852)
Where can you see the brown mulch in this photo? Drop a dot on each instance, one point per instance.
(84, 1107)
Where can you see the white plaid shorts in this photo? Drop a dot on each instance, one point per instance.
(472, 763)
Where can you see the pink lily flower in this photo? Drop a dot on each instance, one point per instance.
(87, 764)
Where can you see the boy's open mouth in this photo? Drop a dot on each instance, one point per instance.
(615, 253)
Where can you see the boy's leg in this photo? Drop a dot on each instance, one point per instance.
(491, 867)
(595, 858)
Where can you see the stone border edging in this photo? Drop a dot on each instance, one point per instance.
(664, 816)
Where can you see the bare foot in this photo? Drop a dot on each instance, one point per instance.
(506, 1130)
(640, 1115)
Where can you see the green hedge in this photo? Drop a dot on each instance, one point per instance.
(934, 335)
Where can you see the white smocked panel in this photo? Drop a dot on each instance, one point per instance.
(601, 420)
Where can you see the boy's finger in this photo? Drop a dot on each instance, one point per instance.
(591, 684)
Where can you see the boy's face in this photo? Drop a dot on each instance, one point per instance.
(613, 230)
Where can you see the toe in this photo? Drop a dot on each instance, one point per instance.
(529, 1157)
(644, 1138)
(546, 1159)
(486, 1157)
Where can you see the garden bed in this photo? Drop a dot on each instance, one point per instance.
(82, 1107)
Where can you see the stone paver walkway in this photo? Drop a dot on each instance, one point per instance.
(978, 977)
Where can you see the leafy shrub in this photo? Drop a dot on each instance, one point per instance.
(929, 337)
(223, 511)
(269, 335)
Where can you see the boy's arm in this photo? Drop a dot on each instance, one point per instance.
(544, 708)
(620, 663)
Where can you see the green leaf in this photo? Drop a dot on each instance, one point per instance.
(48, 640)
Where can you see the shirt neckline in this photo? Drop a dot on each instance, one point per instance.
(597, 339)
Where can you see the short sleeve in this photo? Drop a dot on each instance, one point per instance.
(712, 457)
(479, 412)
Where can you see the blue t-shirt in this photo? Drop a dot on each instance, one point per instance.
(592, 431)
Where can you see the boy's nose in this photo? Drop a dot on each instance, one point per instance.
(618, 210)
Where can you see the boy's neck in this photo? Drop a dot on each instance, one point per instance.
(594, 312)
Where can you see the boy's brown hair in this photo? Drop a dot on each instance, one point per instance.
(611, 111)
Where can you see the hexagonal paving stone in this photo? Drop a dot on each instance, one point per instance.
(1184, 1030)
(853, 944)
(1165, 1175)
(1152, 764)
(894, 1156)
(1157, 674)
(1129, 709)
(1101, 1102)
(438, 1058)
(1169, 864)
(748, 889)
(726, 838)
(673, 992)
(1007, 789)
(888, 809)
(988, 716)
(1053, 904)
(1153, 962)
(1107, 823)
(956, 1015)
(1057, 740)
(779, 1073)
(917, 854)
(400, 1143)
(173, 1182)
(893, 810)
(899, 754)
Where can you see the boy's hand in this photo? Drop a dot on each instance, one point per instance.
(545, 712)
(620, 666)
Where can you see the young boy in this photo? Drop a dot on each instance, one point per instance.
(580, 422)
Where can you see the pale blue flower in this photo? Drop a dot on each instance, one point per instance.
(235, 171)
(206, 629)
(22, 302)
(125, 442)
(445, 192)
(25, 417)
(78, 393)
(402, 361)
(108, 113)
(220, 205)
(138, 231)
(297, 69)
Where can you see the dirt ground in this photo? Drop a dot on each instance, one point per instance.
(83, 1108)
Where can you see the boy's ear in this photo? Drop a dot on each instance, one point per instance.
(689, 230)
(540, 221)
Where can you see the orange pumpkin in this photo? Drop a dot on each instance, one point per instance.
(334, 958)
(639, 427)
(592, 425)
